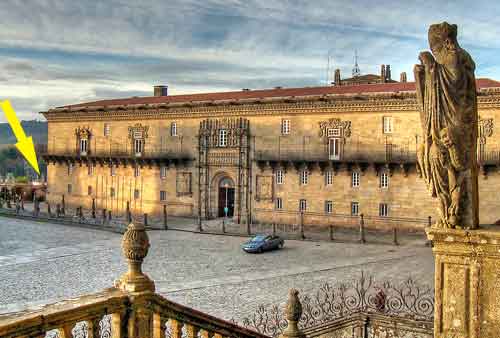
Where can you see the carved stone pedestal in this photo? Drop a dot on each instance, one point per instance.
(467, 282)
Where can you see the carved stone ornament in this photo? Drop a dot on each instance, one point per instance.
(264, 188)
(183, 183)
(138, 132)
(335, 123)
(135, 246)
(83, 133)
(448, 113)
(293, 313)
(485, 129)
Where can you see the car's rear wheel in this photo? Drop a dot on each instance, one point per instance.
(260, 250)
(281, 245)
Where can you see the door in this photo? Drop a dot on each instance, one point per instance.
(226, 198)
(334, 148)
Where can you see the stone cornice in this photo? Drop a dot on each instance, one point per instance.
(394, 102)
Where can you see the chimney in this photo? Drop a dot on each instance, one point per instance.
(382, 73)
(160, 91)
(402, 77)
(336, 78)
(388, 73)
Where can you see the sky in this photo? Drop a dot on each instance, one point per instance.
(56, 52)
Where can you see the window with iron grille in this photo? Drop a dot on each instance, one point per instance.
(163, 195)
(84, 146)
(173, 129)
(107, 129)
(355, 179)
(328, 177)
(384, 180)
(387, 124)
(222, 138)
(137, 171)
(302, 205)
(354, 208)
(70, 188)
(304, 177)
(383, 210)
(113, 170)
(137, 194)
(279, 203)
(280, 176)
(89, 190)
(163, 172)
(70, 168)
(328, 207)
(285, 127)
(112, 192)
(91, 169)
(138, 146)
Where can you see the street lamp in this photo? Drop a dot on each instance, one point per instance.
(226, 209)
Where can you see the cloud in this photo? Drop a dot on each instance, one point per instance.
(56, 52)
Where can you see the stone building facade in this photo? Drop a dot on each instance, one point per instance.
(259, 155)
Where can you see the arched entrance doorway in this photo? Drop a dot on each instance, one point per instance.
(226, 198)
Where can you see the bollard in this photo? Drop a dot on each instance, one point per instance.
(93, 208)
(200, 229)
(58, 210)
(128, 213)
(395, 236)
(109, 215)
(331, 233)
(165, 226)
(274, 229)
(63, 206)
(48, 210)
(224, 225)
(302, 236)
(362, 229)
(103, 216)
(145, 220)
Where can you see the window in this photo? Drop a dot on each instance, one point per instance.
(354, 208)
(173, 129)
(334, 148)
(107, 129)
(91, 169)
(113, 170)
(89, 190)
(84, 146)
(138, 146)
(222, 138)
(333, 132)
(384, 180)
(112, 192)
(328, 207)
(70, 188)
(137, 171)
(285, 127)
(383, 210)
(279, 203)
(302, 205)
(70, 169)
(304, 177)
(387, 124)
(280, 176)
(163, 172)
(137, 194)
(328, 177)
(163, 195)
(355, 179)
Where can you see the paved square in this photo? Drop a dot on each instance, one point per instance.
(43, 262)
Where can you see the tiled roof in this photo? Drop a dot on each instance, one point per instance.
(272, 93)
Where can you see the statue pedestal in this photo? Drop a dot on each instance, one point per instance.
(467, 282)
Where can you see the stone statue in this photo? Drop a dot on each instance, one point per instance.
(447, 157)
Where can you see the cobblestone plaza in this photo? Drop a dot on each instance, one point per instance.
(43, 262)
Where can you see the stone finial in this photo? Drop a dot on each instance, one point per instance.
(382, 73)
(402, 77)
(388, 76)
(135, 246)
(337, 79)
(293, 313)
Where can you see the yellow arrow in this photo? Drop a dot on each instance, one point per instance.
(24, 144)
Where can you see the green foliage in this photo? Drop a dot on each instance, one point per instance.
(21, 179)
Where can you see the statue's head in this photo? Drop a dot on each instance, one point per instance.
(443, 41)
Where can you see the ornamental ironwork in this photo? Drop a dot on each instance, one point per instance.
(364, 295)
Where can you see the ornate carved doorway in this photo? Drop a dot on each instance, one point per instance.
(226, 198)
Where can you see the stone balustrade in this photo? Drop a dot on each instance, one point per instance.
(130, 309)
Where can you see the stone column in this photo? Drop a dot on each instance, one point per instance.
(467, 279)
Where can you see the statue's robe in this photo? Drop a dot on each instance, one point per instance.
(447, 95)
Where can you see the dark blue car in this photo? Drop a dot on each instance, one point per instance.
(261, 243)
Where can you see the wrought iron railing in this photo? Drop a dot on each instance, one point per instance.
(407, 300)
